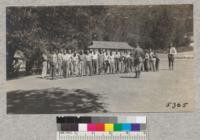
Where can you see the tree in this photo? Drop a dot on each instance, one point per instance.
(34, 29)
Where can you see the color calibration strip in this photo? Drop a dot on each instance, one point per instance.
(101, 128)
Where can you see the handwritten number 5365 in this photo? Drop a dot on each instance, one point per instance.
(174, 105)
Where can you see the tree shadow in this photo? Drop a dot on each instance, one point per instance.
(54, 101)
(17, 77)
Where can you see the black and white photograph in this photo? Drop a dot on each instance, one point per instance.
(100, 59)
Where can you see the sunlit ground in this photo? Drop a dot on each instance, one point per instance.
(106, 93)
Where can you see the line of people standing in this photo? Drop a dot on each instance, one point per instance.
(67, 63)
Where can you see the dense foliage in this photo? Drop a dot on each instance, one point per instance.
(34, 29)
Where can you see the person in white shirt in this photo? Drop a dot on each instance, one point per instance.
(95, 62)
(53, 63)
(117, 57)
(152, 60)
(44, 65)
(89, 63)
(120, 62)
(60, 61)
(101, 62)
(128, 62)
(65, 55)
(107, 64)
(77, 64)
(146, 61)
(81, 63)
(73, 63)
(172, 52)
(69, 63)
(123, 62)
(84, 53)
(112, 63)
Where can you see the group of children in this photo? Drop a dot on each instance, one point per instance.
(67, 63)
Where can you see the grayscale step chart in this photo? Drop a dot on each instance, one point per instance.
(101, 128)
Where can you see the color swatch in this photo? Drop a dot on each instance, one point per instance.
(102, 124)
(101, 128)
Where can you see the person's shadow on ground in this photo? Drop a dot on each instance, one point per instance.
(54, 101)
(128, 77)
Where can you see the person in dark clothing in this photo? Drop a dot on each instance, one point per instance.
(138, 61)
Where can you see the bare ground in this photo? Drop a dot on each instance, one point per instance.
(106, 93)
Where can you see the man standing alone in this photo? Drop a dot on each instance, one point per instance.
(171, 54)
